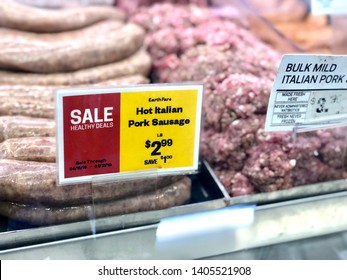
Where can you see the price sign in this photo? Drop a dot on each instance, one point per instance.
(126, 130)
(308, 89)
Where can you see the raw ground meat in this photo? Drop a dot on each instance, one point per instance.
(312, 170)
(132, 6)
(238, 71)
(241, 185)
(216, 63)
(221, 40)
(268, 167)
(164, 15)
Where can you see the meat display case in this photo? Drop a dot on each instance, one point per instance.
(294, 216)
(207, 193)
(280, 217)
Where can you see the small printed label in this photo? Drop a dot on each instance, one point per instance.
(121, 131)
(307, 88)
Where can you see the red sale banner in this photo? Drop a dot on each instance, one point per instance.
(91, 124)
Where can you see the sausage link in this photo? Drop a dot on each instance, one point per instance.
(47, 93)
(42, 149)
(38, 101)
(20, 126)
(32, 182)
(17, 16)
(26, 107)
(21, 39)
(138, 63)
(175, 194)
(72, 51)
(32, 92)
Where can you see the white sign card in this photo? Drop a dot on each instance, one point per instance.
(307, 88)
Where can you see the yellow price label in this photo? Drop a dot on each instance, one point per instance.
(159, 129)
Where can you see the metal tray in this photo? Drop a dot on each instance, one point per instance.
(207, 193)
(294, 193)
(275, 223)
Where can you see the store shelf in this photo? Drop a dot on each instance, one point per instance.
(275, 223)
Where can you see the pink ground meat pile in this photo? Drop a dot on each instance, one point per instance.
(190, 43)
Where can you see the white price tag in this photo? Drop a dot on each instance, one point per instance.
(328, 7)
(308, 88)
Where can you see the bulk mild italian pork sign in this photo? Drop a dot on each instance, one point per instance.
(309, 90)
